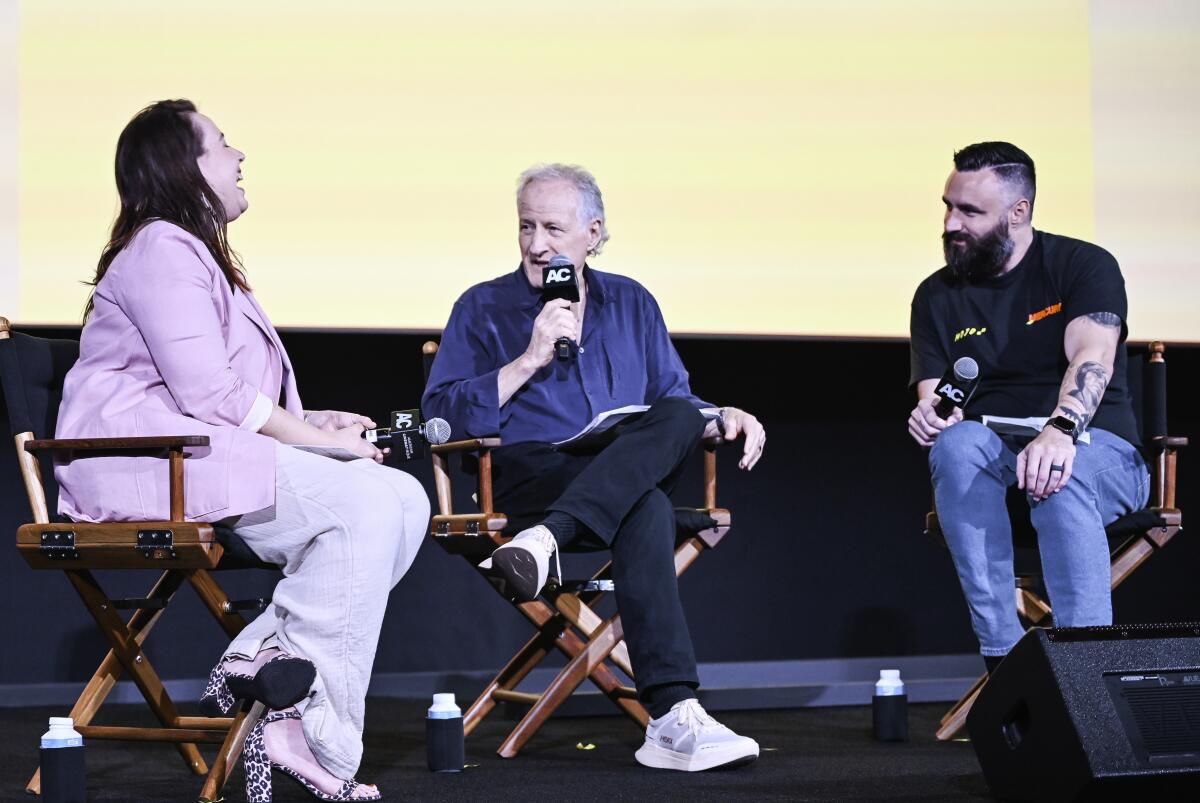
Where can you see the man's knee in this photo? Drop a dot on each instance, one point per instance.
(1071, 505)
(654, 514)
(963, 445)
(681, 414)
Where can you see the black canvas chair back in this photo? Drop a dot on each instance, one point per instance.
(32, 370)
(32, 373)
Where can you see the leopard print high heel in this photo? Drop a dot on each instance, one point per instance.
(259, 765)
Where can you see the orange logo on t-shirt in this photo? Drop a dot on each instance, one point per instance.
(1034, 317)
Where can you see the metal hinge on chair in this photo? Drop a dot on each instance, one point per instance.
(156, 544)
(59, 545)
(471, 528)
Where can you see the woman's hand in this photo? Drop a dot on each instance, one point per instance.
(351, 438)
(333, 420)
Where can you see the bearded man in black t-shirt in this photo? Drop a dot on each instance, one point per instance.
(1044, 317)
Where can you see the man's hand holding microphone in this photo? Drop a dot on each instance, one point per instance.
(945, 407)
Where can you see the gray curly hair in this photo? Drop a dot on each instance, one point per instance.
(591, 202)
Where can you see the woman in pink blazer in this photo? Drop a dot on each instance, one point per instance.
(175, 343)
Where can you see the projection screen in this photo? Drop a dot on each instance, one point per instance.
(769, 168)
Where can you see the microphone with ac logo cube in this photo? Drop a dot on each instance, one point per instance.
(407, 435)
(956, 387)
(559, 281)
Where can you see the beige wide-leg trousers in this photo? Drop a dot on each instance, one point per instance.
(344, 533)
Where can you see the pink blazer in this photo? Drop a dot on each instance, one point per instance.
(171, 349)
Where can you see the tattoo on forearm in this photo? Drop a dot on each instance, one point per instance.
(1080, 421)
(1105, 318)
(1090, 381)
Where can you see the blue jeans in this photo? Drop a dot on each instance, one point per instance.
(972, 469)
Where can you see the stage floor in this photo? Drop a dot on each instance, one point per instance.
(812, 754)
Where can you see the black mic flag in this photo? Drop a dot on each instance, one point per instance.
(559, 281)
(956, 387)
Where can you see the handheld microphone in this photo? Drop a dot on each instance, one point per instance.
(957, 386)
(559, 281)
(407, 435)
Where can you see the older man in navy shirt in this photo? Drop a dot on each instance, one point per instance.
(496, 374)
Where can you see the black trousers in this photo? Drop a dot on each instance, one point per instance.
(620, 495)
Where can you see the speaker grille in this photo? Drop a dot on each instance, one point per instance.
(1160, 712)
(1168, 718)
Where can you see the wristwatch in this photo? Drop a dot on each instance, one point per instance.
(1065, 425)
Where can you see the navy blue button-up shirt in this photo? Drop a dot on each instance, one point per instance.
(625, 357)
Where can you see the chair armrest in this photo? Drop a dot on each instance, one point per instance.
(149, 444)
(101, 446)
(469, 445)
(1169, 441)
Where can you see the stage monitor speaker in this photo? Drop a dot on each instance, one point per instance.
(1093, 713)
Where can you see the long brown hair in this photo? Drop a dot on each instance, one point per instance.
(158, 178)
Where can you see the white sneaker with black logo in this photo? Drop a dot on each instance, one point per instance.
(687, 738)
(524, 562)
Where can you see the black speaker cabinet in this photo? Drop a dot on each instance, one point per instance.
(1093, 713)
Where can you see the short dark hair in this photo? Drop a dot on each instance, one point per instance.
(1012, 164)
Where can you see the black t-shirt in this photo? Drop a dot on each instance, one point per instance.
(1014, 325)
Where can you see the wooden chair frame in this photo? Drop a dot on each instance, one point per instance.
(592, 645)
(1126, 557)
(192, 554)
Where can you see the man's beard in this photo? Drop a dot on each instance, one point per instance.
(980, 257)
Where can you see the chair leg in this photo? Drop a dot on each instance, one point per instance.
(510, 676)
(129, 653)
(231, 750)
(109, 671)
(578, 613)
(578, 669)
(215, 599)
(956, 718)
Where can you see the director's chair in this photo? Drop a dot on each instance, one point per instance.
(563, 616)
(32, 370)
(1132, 538)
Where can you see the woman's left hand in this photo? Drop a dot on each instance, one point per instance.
(333, 420)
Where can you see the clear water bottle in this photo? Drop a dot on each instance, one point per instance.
(64, 777)
(889, 707)
(444, 741)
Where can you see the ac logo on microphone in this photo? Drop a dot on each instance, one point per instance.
(402, 420)
(948, 391)
(558, 275)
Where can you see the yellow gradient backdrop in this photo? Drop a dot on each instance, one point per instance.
(768, 167)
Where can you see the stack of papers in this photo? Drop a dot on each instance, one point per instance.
(600, 427)
(1024, 427)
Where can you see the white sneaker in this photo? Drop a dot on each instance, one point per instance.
(524, 562)
(687, 738)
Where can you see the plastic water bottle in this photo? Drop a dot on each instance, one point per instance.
(889, 707)
(64, 777)
(444, 735)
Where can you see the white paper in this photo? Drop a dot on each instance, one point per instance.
(1027, 427)
(609, 419)
(333, 452)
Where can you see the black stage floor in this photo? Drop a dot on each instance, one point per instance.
(808, 754)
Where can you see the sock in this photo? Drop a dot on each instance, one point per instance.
(992, 661)
(659, 699)
(564, 526)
